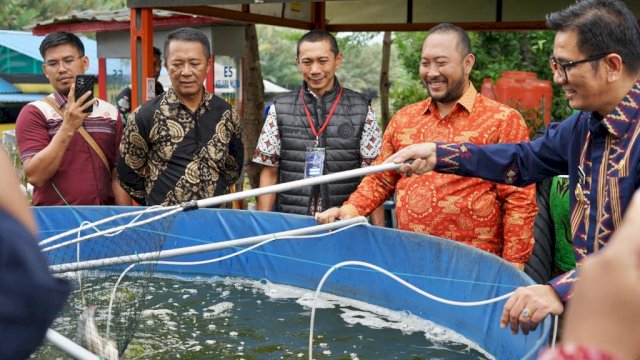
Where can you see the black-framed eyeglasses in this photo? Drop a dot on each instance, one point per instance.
(68, 61)
(556, 65)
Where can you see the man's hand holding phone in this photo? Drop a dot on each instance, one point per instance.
(79, 102)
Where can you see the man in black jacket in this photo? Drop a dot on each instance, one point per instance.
(321, 128)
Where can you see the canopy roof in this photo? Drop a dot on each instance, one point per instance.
(375, 15)
(113, 20)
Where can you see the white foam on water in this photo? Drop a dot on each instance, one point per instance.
(372, 316)
(218, 310)
(307, 300)
(191, 312)
(276, 291)
(157, 312)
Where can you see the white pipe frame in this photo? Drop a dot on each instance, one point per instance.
(127, 259)
(204, 203)
(70, 347)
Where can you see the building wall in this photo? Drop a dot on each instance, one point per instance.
(12, 62)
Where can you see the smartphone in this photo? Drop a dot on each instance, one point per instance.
(85, 83)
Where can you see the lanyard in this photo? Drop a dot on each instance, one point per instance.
(326, 121)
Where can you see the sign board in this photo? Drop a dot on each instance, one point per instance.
(151, 88)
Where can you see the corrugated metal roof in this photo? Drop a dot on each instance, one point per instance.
(98, 15)
(19, 98)
(28, 44)
(7, 88)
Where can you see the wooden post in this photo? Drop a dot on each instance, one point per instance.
(141, 28)
(102, 79)
(211, 76)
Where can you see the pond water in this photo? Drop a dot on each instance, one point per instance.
(234, 318)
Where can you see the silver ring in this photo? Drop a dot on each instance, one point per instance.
(525, 313)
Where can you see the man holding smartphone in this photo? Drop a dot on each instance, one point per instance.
(69, 145)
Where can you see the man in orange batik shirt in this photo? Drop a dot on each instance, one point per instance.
(493, 217)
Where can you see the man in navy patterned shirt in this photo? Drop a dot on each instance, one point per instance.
(596, 60)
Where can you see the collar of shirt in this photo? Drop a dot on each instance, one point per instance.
(329, 95)
(466, 101)
(619, 120)
(60, 99)
(174, 103)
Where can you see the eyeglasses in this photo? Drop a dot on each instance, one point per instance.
(556, 65)
(68, 61)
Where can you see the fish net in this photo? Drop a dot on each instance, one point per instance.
(115, 293)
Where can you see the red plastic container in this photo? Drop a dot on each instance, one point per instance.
(522, 91)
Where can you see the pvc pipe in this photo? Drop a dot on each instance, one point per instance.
(69, 347)
(127, 259)
(217, 200)
(88, 225)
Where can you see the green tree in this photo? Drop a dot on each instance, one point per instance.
(18, 14)
(359, 70)
(496, 51)
(517, 50)
(406, 86)
(277, 47)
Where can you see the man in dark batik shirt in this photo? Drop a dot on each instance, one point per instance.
(186, 144)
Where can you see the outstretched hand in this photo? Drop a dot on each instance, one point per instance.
(423, 156)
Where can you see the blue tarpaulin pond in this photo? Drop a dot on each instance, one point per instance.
(444, 268)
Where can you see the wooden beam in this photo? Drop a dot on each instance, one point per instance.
(471, 26)
(180, 3)
(318, 14)
(241, 16)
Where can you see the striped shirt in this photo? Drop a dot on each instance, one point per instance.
(82, 178)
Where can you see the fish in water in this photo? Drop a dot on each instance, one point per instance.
(89, 337)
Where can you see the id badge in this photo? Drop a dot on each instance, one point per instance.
(314, 162)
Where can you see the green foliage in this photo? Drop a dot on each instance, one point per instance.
(18, 14)
(408, 46)
(517, 50)
(278, 55)
(360, 68)
(406, 87)
(496, 51)
(409, 94)
(353, 41)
